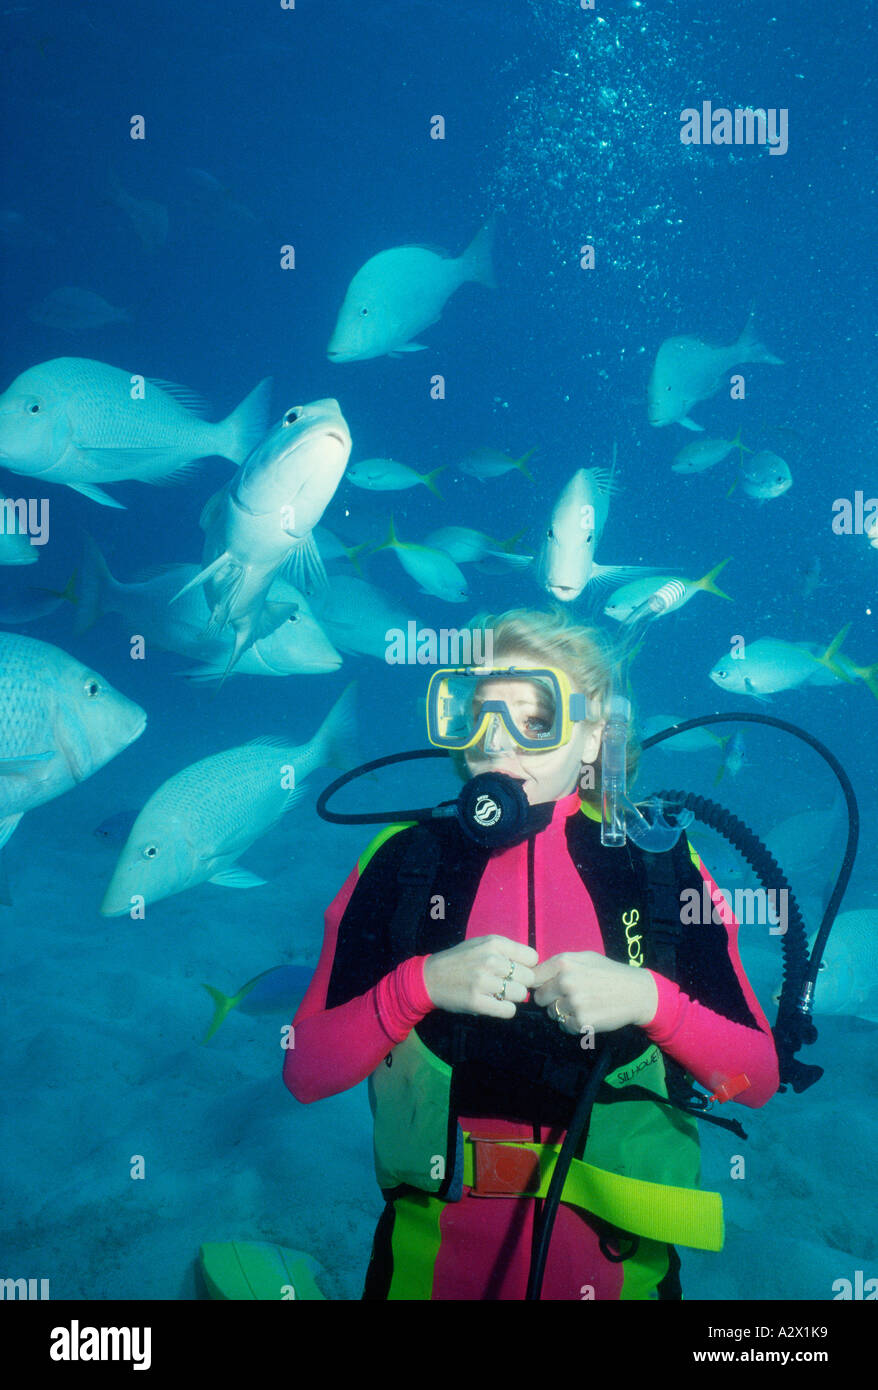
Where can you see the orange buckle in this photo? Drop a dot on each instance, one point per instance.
(729, 1089)
(501, 1170)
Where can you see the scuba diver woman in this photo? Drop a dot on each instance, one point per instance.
(485, 983)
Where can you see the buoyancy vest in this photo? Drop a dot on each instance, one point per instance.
(527, 1069)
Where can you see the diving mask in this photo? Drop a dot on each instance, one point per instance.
(535, 707)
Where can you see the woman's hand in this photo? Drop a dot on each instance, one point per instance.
(466, 978)
(594, 992)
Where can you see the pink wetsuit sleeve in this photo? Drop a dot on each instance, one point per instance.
(334, 1049)
(690, 1033)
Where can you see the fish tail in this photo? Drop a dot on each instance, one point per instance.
(247, 424)
(521, 462)
(707, 583)
(203, 575)
(427, 479)
(832, 651)
(392, 542)
(95, 580)
(223, 1005)
(477, 259)
(353, 553)
(750, 349)
(337, 736)
(869, 674)
(513, 540)
(741, 448)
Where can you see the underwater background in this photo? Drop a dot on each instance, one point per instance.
(310, 127)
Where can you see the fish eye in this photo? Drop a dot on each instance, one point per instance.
(92, 688)
(293, 618)
(291, 417)
(363, 312)
(722, 675)
(150, 851)
(33, 408)
(550, 534)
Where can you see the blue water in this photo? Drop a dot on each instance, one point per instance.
(315, 122)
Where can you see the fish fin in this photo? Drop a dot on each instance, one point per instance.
(97, 494)
(827, 659)
(734, 485)
(477, 259)
(708, 585)
(95, 580)
(183, 395)
(7, 826)
(608, 574)
(719, 775)
(247, 424)
(741, 448)
(179, 475)
(750, 348)
(304, 568)
(235, 877)
(427, 480)
(408, 347)
(690, 424)
(223, 1005)
(748, 685)
(337, 735)
(869, 674)
(392, 542)
(520, 464)
(203, 575)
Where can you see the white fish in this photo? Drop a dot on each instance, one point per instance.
(809, 845)
(466, 546)
(702, 454)
(198, 823)
(490, 463)
(75, 310)
(764, 476)
(627, 603)
(770, 664)
(386, 475)
(297, 646)
(358, 616)
(687, 371)
(80, 422)
(261, 522)
(400, 292)
(59, 722)
(566, 563)
(432, 570)
(847, 981)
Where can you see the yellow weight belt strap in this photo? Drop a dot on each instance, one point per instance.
(677, 1215)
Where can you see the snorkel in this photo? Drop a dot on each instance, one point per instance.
(620, 817)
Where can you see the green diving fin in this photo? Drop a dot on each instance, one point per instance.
(256, 1269)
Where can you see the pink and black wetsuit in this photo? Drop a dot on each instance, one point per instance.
(361, 1004)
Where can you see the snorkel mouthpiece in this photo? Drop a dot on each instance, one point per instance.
(493, 810)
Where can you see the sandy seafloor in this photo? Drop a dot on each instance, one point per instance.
(102, 1061)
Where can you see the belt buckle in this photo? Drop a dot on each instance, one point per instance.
(503, 1170)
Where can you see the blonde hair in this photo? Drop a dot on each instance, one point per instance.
(552, 638)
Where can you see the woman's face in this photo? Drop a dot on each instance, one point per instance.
(545, 776)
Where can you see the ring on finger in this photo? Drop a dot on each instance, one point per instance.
(559, 1017)
(501, 993)
(511, 971)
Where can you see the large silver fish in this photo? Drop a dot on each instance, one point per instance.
(83, 423)
(59, 723)
(197, 824)
(399, 292)
(261, 523)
